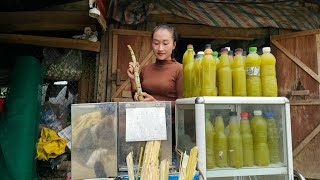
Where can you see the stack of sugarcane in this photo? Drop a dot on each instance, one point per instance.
(150, 167)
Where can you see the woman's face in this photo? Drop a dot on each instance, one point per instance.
(163, 44)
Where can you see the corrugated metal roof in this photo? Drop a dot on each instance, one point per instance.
(278, 14)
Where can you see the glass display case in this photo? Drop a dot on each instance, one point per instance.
(215, 126)
(94, 140)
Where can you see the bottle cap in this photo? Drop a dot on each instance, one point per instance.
(208, 115)
(251, 49)
(268, 114)
(244, 115)
(233, 113)
(239, 51)
(189, 46)
(228, 48)
(207, 46)
(223, 50)
(208, 51)
(215, 53)
(200, 53)
(266, 49)
(257, 112)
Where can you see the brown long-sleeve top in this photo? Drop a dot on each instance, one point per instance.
(163, 80)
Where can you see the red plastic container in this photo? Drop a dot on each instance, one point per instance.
(2, 103)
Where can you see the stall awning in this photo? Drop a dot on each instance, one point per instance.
(237, 14)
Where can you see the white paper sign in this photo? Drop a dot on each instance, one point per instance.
(146, 124)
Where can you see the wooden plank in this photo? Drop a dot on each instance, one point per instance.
(103, 65)
(45, 21)
(216, 37)
(114, 60)
(305, 102)
(318, 55)
(296, 34)
(109, 70)
(300, 93)
(122, 99)
(126, 94)
(306, 141)
(50, 42)
(204, 30)
(296, 60)
(307, 162)
(131, 32)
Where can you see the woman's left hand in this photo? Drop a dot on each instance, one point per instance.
(147, 97)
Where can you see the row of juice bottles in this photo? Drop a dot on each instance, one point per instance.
(255, 142)
(206, 74)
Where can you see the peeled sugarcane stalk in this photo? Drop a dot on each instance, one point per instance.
(183, 166)
(164, 169)
(130, 166)
(139, 164)
(150, 164)
(192, 162)
(136, 74)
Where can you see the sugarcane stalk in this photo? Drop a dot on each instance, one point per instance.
(136, 74)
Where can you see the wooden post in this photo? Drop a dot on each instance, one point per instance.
(102, 69)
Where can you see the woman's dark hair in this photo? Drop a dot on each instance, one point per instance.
(167, 27)
(170, 29)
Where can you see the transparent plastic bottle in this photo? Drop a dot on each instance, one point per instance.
(260, 145)
(239, 82)
(208, 84)
(210, 159)
(268, 73)
(224, 74)
(235, 142)
(253, 62)
(197, 76)
(272, 137)
(221, 146)
(247, 140)
(188, 62)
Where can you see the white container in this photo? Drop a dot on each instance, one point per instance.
(190, 131)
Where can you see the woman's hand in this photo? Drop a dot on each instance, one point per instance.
(147, 97)
(130, 71)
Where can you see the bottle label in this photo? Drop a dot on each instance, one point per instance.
(253, 71)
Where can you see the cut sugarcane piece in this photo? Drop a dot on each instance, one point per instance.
(130, 166)
(192, 162)
(183, 166)
(150, 164)
(139, 164)
(164, 169)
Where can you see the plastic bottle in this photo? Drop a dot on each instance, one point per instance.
(215, 56)
(268, 73)
(235, 142)
(197, 76)
(210, 159)
(272, 137)
(224, 74)
(208, 84)
(239, 86)
(188, 61)
(253, 73)
(247, 140)
(260, 145)
(221, 146)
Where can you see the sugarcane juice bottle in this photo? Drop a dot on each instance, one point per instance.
(272, 137)
(268, 73)
(188, 62)
(209, 142)
(224, 74)
(260, 145)
(235, 142)
(239, 82)
(197, 76)
(247, 141)
(253, 73)
(221, 146)
(208, 84)
(215, 56)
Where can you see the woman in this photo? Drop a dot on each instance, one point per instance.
(162, 80)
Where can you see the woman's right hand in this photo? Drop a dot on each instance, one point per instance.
(130, 70)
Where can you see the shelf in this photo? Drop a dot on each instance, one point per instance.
(50, 42)
(253, 171)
